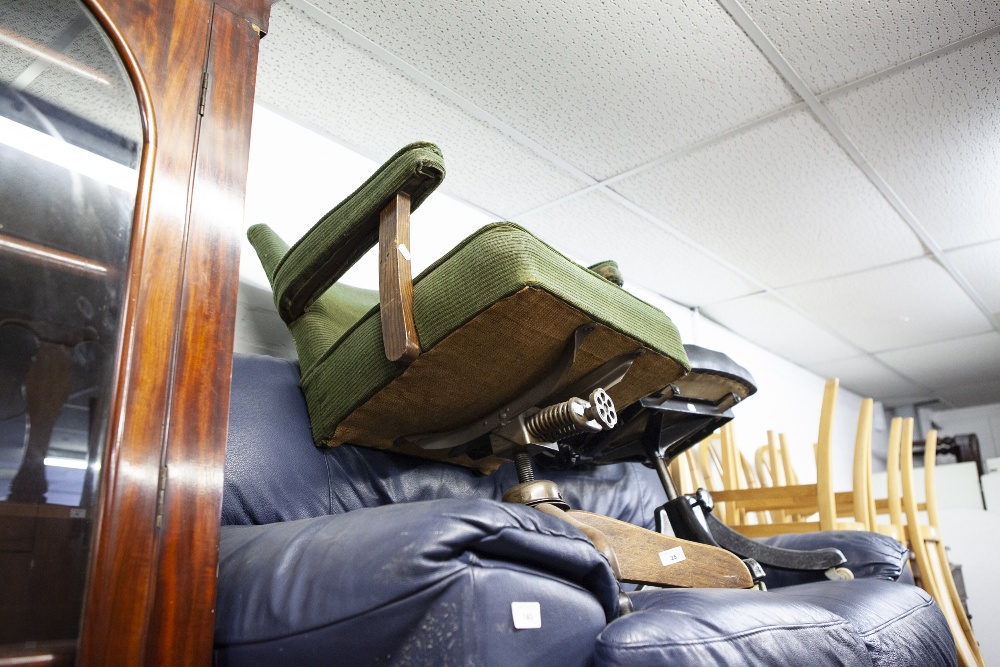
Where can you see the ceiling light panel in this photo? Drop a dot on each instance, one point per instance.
(765, 320)
(310, 74)
(593, 228)
(780, 200)
(867, 377)
(980, 264)
(606, 86)
(833, 43)
(892, 307)
(933, 132)
(950, 362)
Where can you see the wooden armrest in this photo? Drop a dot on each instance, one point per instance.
(600, 540)
(395, 282)
(648, 557)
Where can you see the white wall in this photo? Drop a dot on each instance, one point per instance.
(296, 175)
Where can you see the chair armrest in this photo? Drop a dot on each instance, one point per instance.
(347, 232)
(869, 556)
(370, 583)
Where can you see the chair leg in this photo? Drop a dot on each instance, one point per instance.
(46, 389)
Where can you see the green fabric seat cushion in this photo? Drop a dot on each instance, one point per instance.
(546, 296)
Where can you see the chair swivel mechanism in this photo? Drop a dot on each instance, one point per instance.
(658, 428)
(495, 353)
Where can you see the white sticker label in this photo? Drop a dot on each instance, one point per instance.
(671, 556)
(404, 251)
(527, 615)
(78, 513)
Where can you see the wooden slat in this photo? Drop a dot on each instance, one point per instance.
(882, 506)
(786, 460)
(893, 481)
(771, 529)
(824, 457)
(395, 282)
(862, 455)
(777, 473)
(801, 498)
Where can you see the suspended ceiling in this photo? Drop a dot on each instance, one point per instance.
(820, 177)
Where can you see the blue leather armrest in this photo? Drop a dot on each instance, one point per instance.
(900, 625)
(431, 579)
(736, 628)
(869, 556)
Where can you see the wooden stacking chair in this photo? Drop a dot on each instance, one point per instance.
(925, 541)
(809, 499)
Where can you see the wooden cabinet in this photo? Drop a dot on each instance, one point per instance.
(151, 530)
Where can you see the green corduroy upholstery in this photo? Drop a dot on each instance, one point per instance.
(346, 233)
(338, 333)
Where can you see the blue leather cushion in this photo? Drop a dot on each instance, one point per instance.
(275, 473)
(869, 555)
(736, 628)
(899, 624)
(417, 583)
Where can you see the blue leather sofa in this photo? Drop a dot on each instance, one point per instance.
(353, 556)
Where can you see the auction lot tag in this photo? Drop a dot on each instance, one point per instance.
(527, 615)
(671, 556)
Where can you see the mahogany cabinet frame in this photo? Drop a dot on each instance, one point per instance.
(150, 596)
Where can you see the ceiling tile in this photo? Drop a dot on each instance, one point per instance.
(605, 85)
(40, 21)
(780, 200)
(110, 105)
(980, 264)
(911, 399)
(948, 363)
(765, 320)
(892, 307)
(933, 132)
(980, 393)
(867, 377)
(832, 43)
(593, 227)
(309, 73)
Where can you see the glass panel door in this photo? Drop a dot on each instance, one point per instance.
(70, 143)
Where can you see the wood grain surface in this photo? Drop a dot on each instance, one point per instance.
(638, 551)
(395, 282)
(151, 589)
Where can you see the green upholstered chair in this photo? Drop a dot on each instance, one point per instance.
(492, 318)
(485, 357)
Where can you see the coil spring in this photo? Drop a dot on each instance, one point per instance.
(558, 421)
